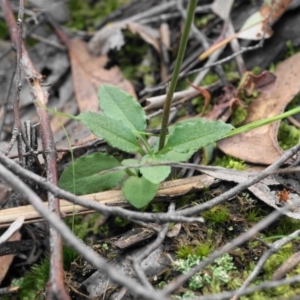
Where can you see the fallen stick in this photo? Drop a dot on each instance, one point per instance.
(169, 189)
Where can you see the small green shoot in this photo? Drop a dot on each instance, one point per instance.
(253, 215)
(218, 214)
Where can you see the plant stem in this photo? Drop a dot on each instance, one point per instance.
(260, 123)
(173, 83)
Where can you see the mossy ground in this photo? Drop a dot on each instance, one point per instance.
(86, 14)
(225, 222)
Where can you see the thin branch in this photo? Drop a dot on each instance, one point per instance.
(5, 103)
(16, 38)
(242, 186)
(149, 249)
(91, 204)
(39, 95)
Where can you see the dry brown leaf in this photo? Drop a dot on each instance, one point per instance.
(225, 103)
(264, 83)
(6, 260)
(89, 74)
(260, 145)
(205, 93)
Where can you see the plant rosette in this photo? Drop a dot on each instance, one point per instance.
(123, 124)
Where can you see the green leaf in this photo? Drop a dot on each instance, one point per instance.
(113, 131)
(139, 191)
(155, 174)
(175, 156)
(86, 179)
(193, 135)
(119, 105)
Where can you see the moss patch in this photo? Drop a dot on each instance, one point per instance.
(84, 15)
(229, 163)
(288, 135)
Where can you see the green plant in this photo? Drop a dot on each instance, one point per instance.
(278, 258)
(85, 14)
(218, 273)
(253, 215)
(33, 283)
(122, 124)
(229, 162)
(288, 135)
(205, 248)
(218, 214)
(286, 226)
(81, 225)
(184, 251)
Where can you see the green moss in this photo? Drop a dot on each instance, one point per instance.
(184, 251)
(205, 248)
(84, 14)
(209, 79)
(286, 226)
(202, 249)
(229, 162)
(121, 222)
(248, 99)
(288, 135)
(253, 215)
(82, 225)
(238, 116)
(291, 50)
(218, 214)
(231, 71)
(278, 258)
(69, 255)
(256, 70)
(185, 200)
(273, 67)
(33, 284)
(158, 207)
